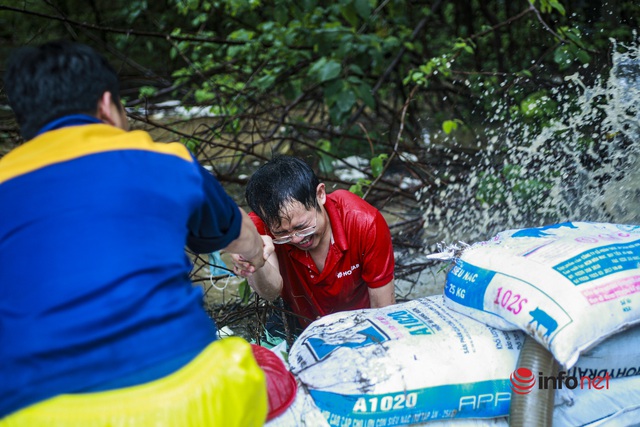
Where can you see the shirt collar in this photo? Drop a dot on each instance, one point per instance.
(69, 120)
(337, 227)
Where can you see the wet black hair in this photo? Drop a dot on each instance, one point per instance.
(282, 180)
(55, 79)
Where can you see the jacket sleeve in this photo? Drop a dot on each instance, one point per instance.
(217, 221)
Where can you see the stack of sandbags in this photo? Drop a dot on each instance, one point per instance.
(420, 363)
(570, 287)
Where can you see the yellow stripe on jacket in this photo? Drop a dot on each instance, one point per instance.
(222, 387)
(72, 142)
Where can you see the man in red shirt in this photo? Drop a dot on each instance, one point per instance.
(333, 250)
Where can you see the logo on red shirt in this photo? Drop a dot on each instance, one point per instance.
(348, 272)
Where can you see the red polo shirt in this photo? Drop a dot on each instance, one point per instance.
(360, 257)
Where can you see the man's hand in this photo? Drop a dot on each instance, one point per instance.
(263, 277)
(244, 268)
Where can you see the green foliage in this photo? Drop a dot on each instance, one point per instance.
(324, 70)
(315, 74)
(547, 6)
(513, 182)
(147, 91)
(449, 126)
(538, 105)
(190, 143)
(440, 65)
(377, 164)
(325, 164)
(244, 292)
(358, 187)
(566, 55)
(321, 44)
(424, 72)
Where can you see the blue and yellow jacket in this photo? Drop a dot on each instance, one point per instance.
(94, 279)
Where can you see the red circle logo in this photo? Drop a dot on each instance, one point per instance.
(522, 381)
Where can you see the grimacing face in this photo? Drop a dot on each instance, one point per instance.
(312, 224)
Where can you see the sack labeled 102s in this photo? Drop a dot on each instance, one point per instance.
(568, 285)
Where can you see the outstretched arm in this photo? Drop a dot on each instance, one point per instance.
(383, 296)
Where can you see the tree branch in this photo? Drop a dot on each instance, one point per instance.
(123, 31)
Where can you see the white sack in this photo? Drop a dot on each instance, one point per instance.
(568, 285)
(403, 364)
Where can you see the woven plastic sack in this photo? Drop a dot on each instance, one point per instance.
(617, 406)
(405, 364)
(568, 285)
(303, 412)
(618, 356)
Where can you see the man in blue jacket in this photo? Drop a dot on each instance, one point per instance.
(95, 292)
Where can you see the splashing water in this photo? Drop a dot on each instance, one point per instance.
(584, 165)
